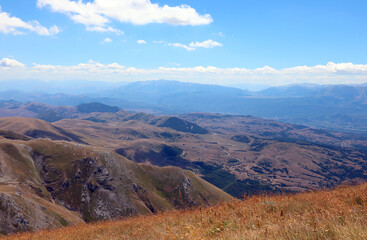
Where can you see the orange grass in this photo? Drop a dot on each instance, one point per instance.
(335, 214)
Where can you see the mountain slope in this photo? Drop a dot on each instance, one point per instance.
(90, 182)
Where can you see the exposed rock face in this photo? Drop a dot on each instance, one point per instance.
(86, 187)
(11, 217)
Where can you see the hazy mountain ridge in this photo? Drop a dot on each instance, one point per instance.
(304, 90)
(334, 107)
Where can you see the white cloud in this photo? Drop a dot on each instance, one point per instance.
(331, 73)
(16, 26)
(180, 45)
(107, 40)
(10, 63)
(206, 44)
(100, 13)
(141, 42)
(104, 29)
(194, 45)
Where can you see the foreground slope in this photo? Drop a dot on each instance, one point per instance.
(45, 184)
(336, 214)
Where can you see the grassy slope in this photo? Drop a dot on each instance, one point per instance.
(336, 214)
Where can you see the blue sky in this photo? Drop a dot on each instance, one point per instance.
(270, 42)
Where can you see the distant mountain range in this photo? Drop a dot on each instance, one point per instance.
(334, 107)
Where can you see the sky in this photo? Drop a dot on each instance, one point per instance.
(272, 42)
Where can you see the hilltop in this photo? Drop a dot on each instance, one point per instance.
(335, 214)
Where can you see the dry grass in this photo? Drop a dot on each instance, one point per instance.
(336, 214)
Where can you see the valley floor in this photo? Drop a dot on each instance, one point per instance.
(335, 214)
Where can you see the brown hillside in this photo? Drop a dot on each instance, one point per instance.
(45, 183)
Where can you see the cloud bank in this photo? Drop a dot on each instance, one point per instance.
(98, 14)
(331, 73)
(16, 26)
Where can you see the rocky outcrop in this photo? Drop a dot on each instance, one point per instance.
(11, 217)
